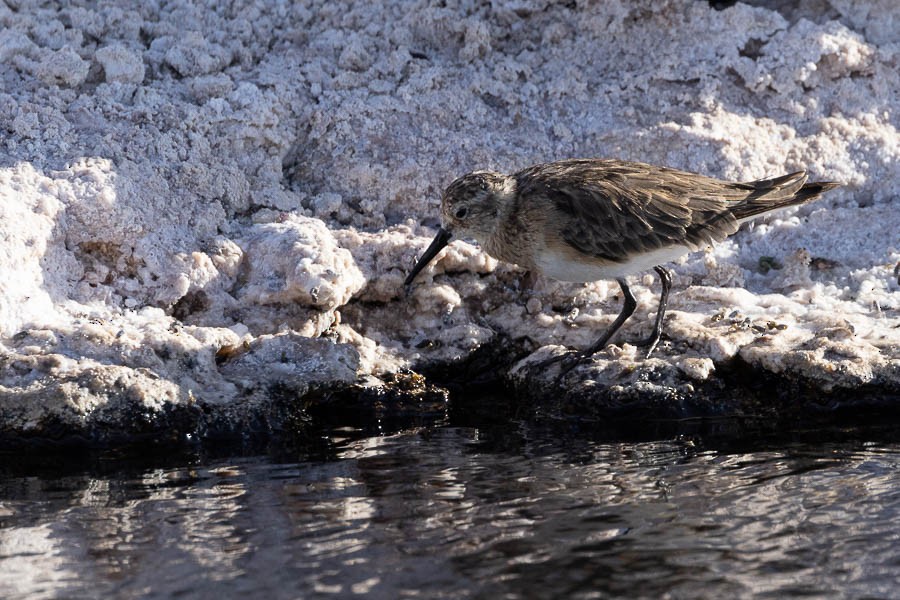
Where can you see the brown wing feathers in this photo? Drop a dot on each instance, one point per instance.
(779, 192)
(614, 209)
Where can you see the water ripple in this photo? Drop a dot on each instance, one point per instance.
(450, 513)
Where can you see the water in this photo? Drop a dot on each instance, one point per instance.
(459, 512)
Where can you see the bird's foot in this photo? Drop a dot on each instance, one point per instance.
(564, 357)
(572, 358)
(649, 344)
(569, 359)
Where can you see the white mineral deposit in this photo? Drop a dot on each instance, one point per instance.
(177, 180)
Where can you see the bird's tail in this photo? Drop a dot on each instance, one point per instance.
(779, 192)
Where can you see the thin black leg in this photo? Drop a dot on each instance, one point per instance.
(665, 277)
(572, 360)
(627, 310)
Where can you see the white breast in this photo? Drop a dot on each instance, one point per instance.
(563, 267)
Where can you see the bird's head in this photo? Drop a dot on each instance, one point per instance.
(470, 205)
(469, 209)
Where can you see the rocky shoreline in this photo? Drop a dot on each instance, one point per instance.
(485, 386)
(206, 216)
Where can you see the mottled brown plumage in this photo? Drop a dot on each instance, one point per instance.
(589, 219)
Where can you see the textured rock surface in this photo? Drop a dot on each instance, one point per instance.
(178, 181)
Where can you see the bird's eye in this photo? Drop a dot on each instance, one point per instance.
(462, 212)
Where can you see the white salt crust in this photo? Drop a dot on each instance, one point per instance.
(182, 179)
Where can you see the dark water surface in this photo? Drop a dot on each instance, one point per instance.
(458, 512)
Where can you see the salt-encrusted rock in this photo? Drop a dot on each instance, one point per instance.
(178, 183)
(877, 19)
(292, 361)
(63, 67)
(36, 272)
(298, 261)
(14, 43)
(192, 54)
(121, 64)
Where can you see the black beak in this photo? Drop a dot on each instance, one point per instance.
(440, 240)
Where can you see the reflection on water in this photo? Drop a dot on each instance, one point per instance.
(458, 512)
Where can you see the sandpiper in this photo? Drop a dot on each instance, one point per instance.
(587, 219)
